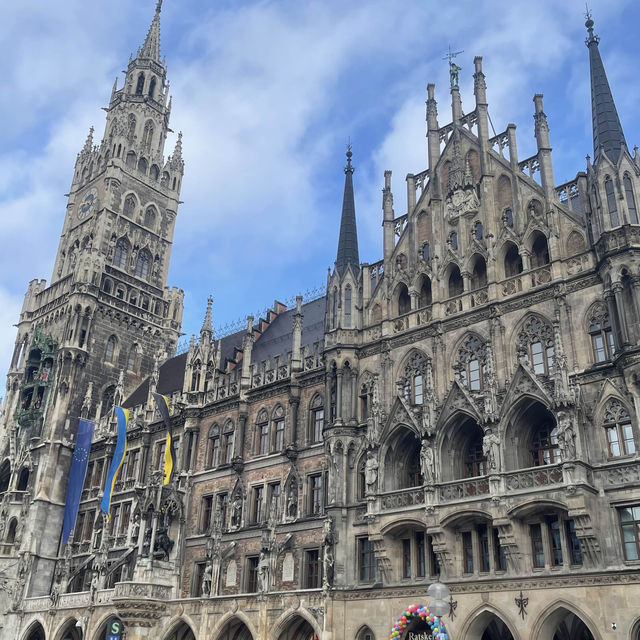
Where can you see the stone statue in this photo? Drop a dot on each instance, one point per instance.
(371, 471)
(263, 573)
(566, 436)
(491, 450)
(207, 581)
(292, 501)
(427, 463)
(328, 557)
(236, 512)
(163, 544)
(93, 589)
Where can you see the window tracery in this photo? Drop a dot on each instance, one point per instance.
(471, 363)
(414, 378)
(601, 334)
(150, 217)
(536, 345)
(129, 206)
(121, 253)
(617, 424)
(142, 264)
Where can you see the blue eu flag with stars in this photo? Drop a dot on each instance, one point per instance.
(76, 476)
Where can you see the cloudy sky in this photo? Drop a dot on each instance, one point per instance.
(267, 94)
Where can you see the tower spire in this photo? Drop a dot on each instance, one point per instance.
(348, 241)
(207, 325)
(607, 130)
(151, 46)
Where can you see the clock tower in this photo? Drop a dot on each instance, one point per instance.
(91, 335)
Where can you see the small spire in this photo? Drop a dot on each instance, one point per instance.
(607, 130)
(348, 240)
(151, 45)
(176, 160)
(207, 325)
(88, 145)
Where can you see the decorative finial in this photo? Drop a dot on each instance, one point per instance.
(349, 168)
(159, 6)
(589, 24)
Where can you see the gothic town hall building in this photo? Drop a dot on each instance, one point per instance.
(465, 408)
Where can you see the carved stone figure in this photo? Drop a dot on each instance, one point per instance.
(427, 462)
(207, 581)
(566, 436)
(263, 573)
(371, 471)
(491, 450)
(236, 513)
(163, 545)
(292, 501)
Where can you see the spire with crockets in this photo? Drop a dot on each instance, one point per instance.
(608, 136)
(348, 241)
(151, 46)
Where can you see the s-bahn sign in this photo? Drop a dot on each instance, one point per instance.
(114, 629)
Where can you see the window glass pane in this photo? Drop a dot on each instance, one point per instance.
(611, 203)
(483, 540)
(417, 383)
(610, 342)
(467, 552)
(474, 375)
(614, 444)
(406, 558)
(598, 348)
(421, 569)
(556, 547)
(536, 546)
(631, 201)
(574, 543)
(629, 444)
(536, 357)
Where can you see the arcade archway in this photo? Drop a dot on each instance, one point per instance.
(181, 631)
(298, 629)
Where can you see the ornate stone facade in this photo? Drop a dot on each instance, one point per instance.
(465, 408)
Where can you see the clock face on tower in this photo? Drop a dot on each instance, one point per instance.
(87, 204)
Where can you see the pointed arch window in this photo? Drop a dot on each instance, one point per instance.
(140, 84)
(617, 425)
(334, 309)
(539, 251)
(278, 429)
(507, 218)
(227, 443)
(347, 306)
(453, 241)
(262, 433)
(472, 363)
(611, 202)
(456, 283)
(536, 345)
(213, 447)
(142, 264)
(512, 261)
(426, 252)
(404, 299)
(152, 87)
(316, 420)
(601, 334)
(150, 217)
(110, 349)
(132, 360)
(108, 396)
(414, 378)
(631, 201)
(477, 230)
(121, 253)
(129, 206)
(147, 136)
(425, 298)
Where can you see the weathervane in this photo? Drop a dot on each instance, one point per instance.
(454, 69)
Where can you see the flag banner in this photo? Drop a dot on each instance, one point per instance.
(76, 476)
(162, 403)
(118, 458)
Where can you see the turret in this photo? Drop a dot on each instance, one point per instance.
(544, 147)
(433, 137)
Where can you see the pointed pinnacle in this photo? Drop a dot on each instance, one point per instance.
(207, 324)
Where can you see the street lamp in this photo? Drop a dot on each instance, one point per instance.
(439, 592)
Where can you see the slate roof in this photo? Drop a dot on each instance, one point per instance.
(348, 240)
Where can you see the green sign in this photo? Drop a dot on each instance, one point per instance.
(114, 629)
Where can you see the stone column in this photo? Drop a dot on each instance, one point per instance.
(616, 287)
(294, 403)
(339, 374)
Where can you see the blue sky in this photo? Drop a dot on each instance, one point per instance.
(267, 95)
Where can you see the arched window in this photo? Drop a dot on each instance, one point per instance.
(404, 300)
(213, 447)
(365, 634)
(477, 230)
(227, 443)
(147, 136)
(152, 88)
(132, 360)
(334, 308)
(131, 127)
(471, 363)
(347, 306)
(617, 425)
(131, 159)
(155, 172)
(453, 241)
(143, 165)
(110, 349)
(140, 84)
(512, 261)
(23, 479)
(479, 274)
(426, 252)
(611, 202)
(536, 345)
(108, 396)
(129, 206)
(150, 217)
(425, 298)
(142, 264)
(475, 462)
(601, 334)
(262, 433)
(316, 419)
(456, 284)
(507, 217)
(278, 429)
(121, 253)
(5, 476)
(11, 533)
(414, 378)
(631, 201)
(539, 251)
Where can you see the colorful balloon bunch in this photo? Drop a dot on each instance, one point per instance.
(418, 611)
